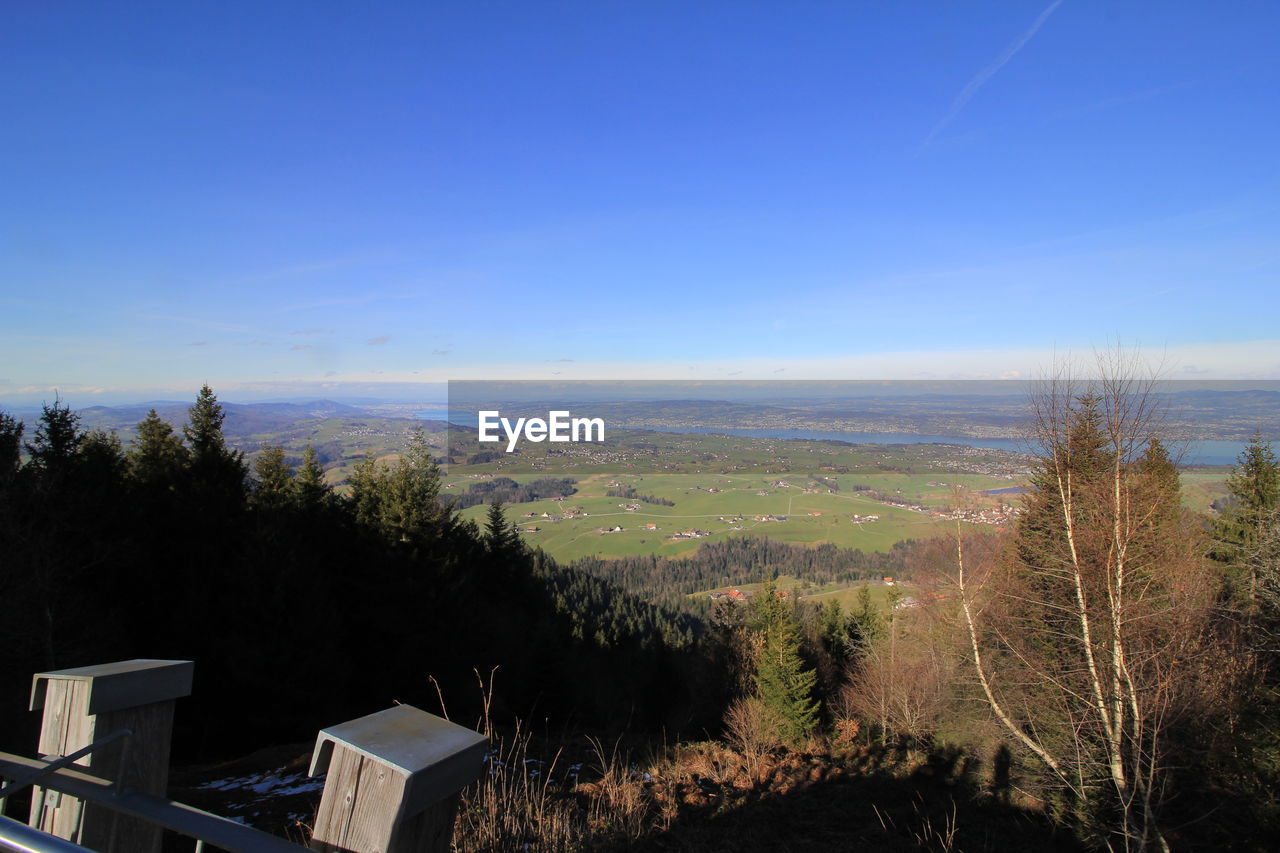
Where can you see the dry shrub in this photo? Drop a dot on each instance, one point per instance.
(847, 731)
(903, 687)
(530, 804)
(752, 729)
(517, 804)
(520, 804)
(620, 806)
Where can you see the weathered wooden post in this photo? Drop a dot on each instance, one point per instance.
(394, 782)
(86, 704)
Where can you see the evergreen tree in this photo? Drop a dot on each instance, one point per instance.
(1254, 487)
(157, 456)
(402, 502)
(784, 682)
(309, 488)
(216, 472)
(833, 631)
(865, 625)
(10, 444)
(500, 535)
(204, 425)
(1163, 482)
(57, 438)
(101, 457)
(274, 478)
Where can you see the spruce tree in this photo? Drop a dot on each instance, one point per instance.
(309, 487)
(57, 438)
(157, 456)
(1254, 488)
(403, 503)
(273, 475)
(499, 534)
(10, 444)
(101, 456)
(1163, 482)
(204, 425)
(217, 472)
(833, 631)
(783, 681)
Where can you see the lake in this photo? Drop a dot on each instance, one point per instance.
(1208, 452)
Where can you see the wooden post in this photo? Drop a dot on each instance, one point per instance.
(85, 704)
(393, 782)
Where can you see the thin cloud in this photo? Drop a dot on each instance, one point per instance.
(441, 351)
(378, 341)
(980, 79)
(198, 344)
(299, 346)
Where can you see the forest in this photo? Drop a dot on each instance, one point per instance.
(300, 607)
(1105, 674)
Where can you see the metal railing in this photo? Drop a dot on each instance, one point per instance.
(203, 827)
(19, 838)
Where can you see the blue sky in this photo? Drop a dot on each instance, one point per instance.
(297, 198)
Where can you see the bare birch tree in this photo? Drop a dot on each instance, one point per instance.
(1092, 634)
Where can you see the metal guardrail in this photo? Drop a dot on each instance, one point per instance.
(221, 832)
(19, 838)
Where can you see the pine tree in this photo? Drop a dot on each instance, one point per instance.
(217, 472)
(101, 457)
(1164, 484)
(204, 425)
(10, 444)
(57, 438)
(309, 487)
(1254, 487)
(157, 456)
(274, 478)
(403, 503)
(500, 535)
(784, 683)
(833, 630)
(864, 626)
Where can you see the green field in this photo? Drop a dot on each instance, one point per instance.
(794, 491)
(1202, 486)
(846, 594)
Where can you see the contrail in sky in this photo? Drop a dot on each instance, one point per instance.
(990, 71)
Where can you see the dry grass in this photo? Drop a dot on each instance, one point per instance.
(748, 793)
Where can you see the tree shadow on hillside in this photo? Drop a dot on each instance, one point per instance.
(864, 806)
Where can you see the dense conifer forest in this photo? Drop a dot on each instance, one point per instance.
(301, 608)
